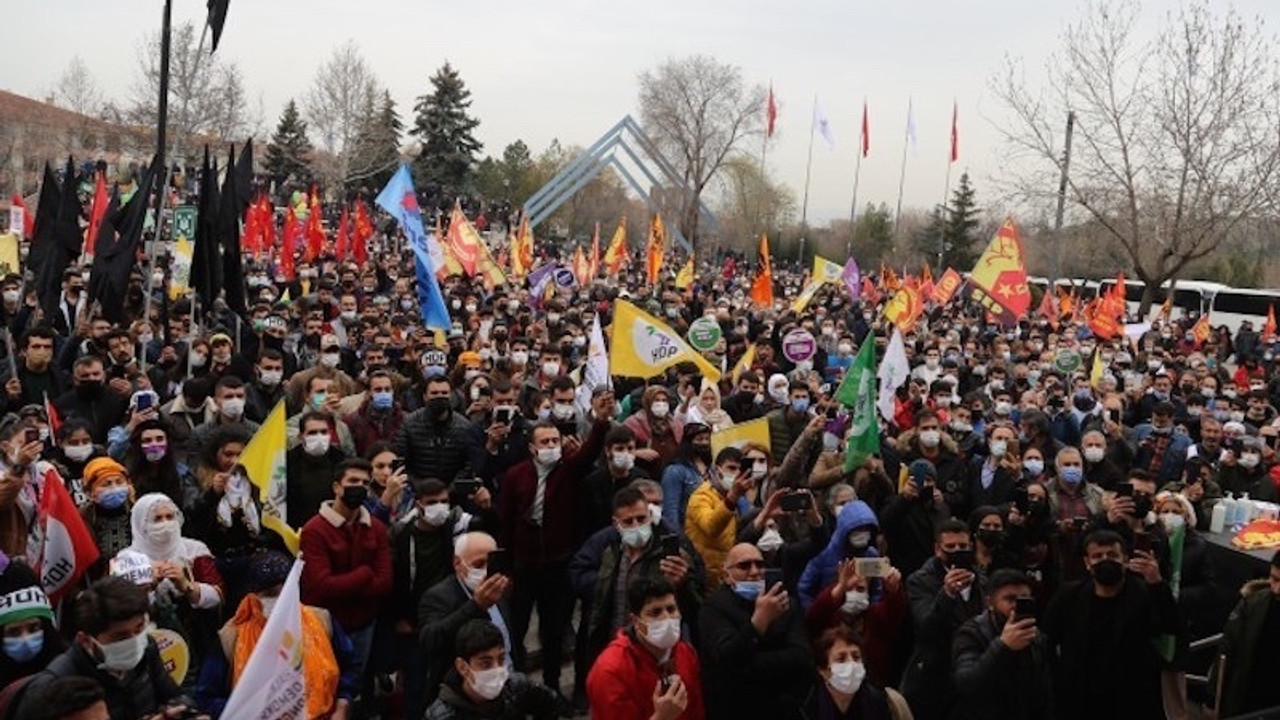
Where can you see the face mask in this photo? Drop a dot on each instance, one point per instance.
(316, 445)
(553, 318)
(800, 405)
(961, 427)
(1108, 573)
(1171, 521)
(233, 407)
(551, 369)
(859, 540)
(318, 400)
(1094, 454)
(663, 634)
(89, 390)
(438, 406)
(78, 453)
(474, 577)
(435, 514)
(847, 677)
(748, 589)
(123, 655)
(1249, 460)
(1033, 466)
(549, 456)
(659, 409)
(636, 537)
(779, 394)
(1004, 407)
(222, 358)
(1236, 416)
(382, 400)
(330, 360)
(624, 461)
(562, 411)
(655, 513)
(155, 451)
(519, 357)
(24, 648)
(114, 498)
(991, 538)
(1071, 475)
(930, 438)
(855, 602)
(12, 296)
(998, 448)
(198, 359)
(844, 348)
(353, 496)
(769, 541)
(164, 532)
(488, 684)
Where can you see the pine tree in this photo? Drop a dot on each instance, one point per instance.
(289, 152)
(928, 240)
(959, 234)
(447, 161)
(377, 153)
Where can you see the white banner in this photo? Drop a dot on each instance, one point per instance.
(271, 686)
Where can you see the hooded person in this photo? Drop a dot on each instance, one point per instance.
(854, 537)
(657, 429)
(30, 638)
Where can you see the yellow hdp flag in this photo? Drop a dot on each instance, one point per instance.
(744, 363)
(657, 248)
(754, 431)
(806, 295)
(490, 273)
(684, 278)
(825, 271)
(1095, 372)
(644, 346)
(264, 459)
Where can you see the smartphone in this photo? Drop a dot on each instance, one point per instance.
(1025, 609)
(772, 576)
(502, 415)
(961, 559)
(832, 411)
(670, 545)
(397, 466)
(144, 401)
(1124, 489)
(796, 502)
(876, 567)
(1142, 543)
(1079, 522)
(31, 435)
(499, 562)
(1020, 500)
(466, 486)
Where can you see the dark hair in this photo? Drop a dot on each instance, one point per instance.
(310, 415)
(643, 589)
(1102, 538)
(476, 636)
(429, 486)
(828, 639)
(67, 695)
(379, 373)
(626, 497)
(70, 425)
(1005, 577)
(948, 527)
(228, 381)
(352, 464)
(117, 332)
(377, 449)
(562, 382)
(500, 385)
(271, 354)
(42, 331)
(619, 435)
(107, 601)
(749, 376)
(222, 436)
(85, 361)
(1275, 560)
(727, 454)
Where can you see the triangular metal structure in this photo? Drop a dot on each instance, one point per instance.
(624, 147)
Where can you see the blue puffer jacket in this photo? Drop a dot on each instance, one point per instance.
(678, 483)
(821, 570)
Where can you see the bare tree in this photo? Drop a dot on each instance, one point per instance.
(700, 112)
(343, 91)
(206, 94)
(77, 90)
(752, 203)
(1176, 135)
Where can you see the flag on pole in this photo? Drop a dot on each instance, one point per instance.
(739, 435)
(1095, 370)
(744, 363)
(955, 131)
(894, 371)
(999, 280)
(822, 124)
(1269, 329)
(946, 286)
(1201, 331)
(593, 262)
(912, 139)
(684, 278)
(264, 461)
(852, 277)
(363, 230)
(55, 420)
(288, 245)
(644, 346)
(400, 200)
(657, 248)
(581, 271)
(522, 248)
(97, 211)
(463, 241)
(771, 114)
(271, 686)
(68, 548)
(858, 391)
(616, 256)
(762, 286)
(866, 130)
(595, 372)
(217, 19)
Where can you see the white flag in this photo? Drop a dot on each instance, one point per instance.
(822, 124)
(894, 370)
(595, 372)
(271, 686)
(911, 126)
(17, 218)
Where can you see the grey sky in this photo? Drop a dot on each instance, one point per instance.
(567, 68)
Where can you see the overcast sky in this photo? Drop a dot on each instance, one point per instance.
(567, 68)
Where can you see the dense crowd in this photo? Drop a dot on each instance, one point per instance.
(1027, 544)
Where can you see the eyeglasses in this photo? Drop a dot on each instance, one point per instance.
(748, 565)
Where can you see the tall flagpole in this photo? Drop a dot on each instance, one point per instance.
(857, 172)
(764, 143)
(808, 170)
(902, 174)
(946, 187)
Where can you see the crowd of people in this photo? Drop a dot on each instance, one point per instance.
(1027, 543)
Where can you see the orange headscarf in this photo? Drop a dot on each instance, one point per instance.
(319, 666)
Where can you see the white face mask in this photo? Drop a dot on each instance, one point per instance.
(663, 634)
(551, 369)
(998, 448)
(847, 677)
(316, 445)
(272, 378)
(549, 456)
(435, 514)
(659, 409)
(474, 577)
(655, 513)
(624, 461)
(636, 537)
(488, 684)
(330, 360)
(78, 453)
(1249, 460)
(233, 407)
(930, 438)
(519, 357)
(855, 602)
(1094, 454)
(165, 531)
(562, 411)
(769, 541)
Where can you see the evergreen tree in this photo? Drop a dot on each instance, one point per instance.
(377, 152)
(447, 161)
(928, 240)
(289, 152)
(872, 234)
(959, 234)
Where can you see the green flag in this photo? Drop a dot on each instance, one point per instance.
(858, 391)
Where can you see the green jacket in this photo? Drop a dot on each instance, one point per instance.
(600, 628)
(1240, 640)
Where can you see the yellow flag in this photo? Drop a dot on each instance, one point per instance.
(744, 363)
(754, 431)
(643, 346)
(1095, 372)
(264, 459)
(684, 278)
(9, 254)
(825, 271)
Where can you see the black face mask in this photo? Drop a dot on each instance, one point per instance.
(1108, 573)
(438, 407)
(991, 538)
(89, 390)
(273, 342)
(313, 340)
(703, 453)
(353, 496)
(1037, 508)
(1141, 505)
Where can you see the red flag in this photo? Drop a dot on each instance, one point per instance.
(1201, 331)
(289, 246)
(340, 250)
(771, 113)
(363, 231)
(315, 230)
(28, 220)
(55, 422)
(866, 130)
(762, 287)
(955, 132)
(69, 548)
(1049, 309)
(947, 286)
(1269, 329)
(97, 209)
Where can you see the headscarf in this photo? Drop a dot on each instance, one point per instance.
(141, 523)
(238, 496)
(99, 469)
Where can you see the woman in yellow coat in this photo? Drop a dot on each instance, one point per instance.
(711, 520)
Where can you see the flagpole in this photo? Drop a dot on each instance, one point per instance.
(808, 171)
(902, 174)
(946, 186)
(857, 173)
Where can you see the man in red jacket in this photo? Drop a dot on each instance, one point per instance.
(537, 523)
(648, 672)
(347, 558)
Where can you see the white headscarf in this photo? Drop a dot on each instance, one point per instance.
(179, 548)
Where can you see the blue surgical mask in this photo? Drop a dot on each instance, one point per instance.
(382, 400)
(114, 498)
(749, 589)
(317, 400)
(1071, 475)
(800, 405)
(24, 648)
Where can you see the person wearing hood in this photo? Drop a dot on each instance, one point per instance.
(658, 431)
(31, 639)
(704, 407)
(855, 536)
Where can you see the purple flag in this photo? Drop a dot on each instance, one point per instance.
(539, 281)
(852, 278)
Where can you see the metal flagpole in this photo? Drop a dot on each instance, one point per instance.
(902, 174)
(853, 204)
(808, 170)
(946, 191)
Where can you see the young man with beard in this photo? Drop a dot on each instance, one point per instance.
(1102, 630)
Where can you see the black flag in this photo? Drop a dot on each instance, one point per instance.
(116, 247)
(229, 233)
(46, 214)
(217, 18)
(206, 265)
(63, 246)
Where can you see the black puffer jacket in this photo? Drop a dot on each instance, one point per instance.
(433, 448)
(519, 698)
(994, 682)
